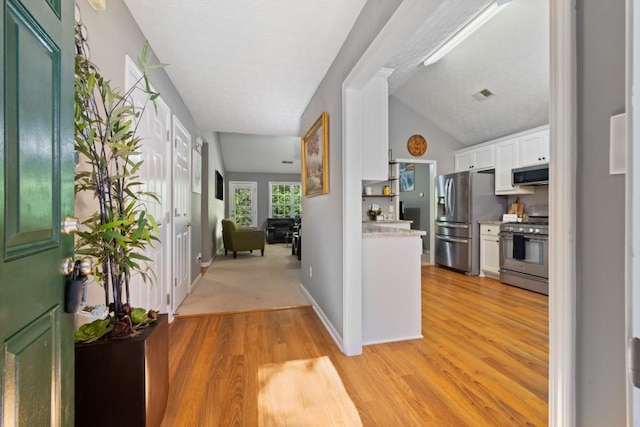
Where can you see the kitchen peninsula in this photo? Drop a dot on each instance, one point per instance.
(391, 289)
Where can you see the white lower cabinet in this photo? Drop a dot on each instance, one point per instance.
(489, 251)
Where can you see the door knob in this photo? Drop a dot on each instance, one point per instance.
(189, 224)
(66, 268)
(70, 225)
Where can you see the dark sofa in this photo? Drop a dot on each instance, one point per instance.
(279, 230)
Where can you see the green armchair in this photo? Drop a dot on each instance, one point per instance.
(241, 239)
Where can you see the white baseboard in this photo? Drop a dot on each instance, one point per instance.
(206, 264)
(412, 337)
(195, 282)
(337, 338)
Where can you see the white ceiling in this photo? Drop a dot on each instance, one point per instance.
(248, 67)
(509, 55)
(259, 153)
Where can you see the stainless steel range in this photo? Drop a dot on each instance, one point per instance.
(524, 254)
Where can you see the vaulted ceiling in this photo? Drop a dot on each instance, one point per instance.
(251, 67)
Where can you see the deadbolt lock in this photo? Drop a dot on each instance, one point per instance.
(70, 225)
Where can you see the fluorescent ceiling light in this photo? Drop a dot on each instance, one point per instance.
(98, 4)
(465, 32)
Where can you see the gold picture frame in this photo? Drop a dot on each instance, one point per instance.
(315, 158)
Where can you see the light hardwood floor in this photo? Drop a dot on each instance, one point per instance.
(483, 360)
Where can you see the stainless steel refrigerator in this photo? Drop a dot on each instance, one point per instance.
(462, 199)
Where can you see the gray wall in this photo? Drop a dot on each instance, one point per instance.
(413, 199)
(212, 208)
(263, 180)
(114, 33)
(404, 122)
(600, 346)
(322, 230)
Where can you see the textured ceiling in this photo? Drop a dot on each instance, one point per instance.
(247, 66)
(509, 55)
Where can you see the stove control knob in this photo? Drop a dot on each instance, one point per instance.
(537, 230)
(531, 230)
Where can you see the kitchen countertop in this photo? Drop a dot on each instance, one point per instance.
(489, 222)
(371, 230)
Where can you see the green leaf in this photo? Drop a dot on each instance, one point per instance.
(90, 332)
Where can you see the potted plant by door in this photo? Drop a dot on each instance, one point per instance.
(121, 360)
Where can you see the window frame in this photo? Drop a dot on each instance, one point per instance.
(292, 205)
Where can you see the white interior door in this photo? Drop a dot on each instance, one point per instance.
(243, 203)
(153, 127)
(181, 213)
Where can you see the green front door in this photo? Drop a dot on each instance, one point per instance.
(36, 192)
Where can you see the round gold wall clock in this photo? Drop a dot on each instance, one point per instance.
(417, 145)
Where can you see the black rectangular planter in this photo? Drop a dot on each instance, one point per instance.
(123, 382)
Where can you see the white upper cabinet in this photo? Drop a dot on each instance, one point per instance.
(534, 148)
(475, 159)
(504, 154)
(508, 155)
(375, 127)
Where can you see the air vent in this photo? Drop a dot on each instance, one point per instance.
(287, 162)
(482, 95)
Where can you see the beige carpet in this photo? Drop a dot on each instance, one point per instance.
(248, 283)
(304, 393)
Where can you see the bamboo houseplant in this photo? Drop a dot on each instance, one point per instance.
(117, 233)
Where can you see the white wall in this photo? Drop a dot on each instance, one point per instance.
(600, 231)
(404, 122)
(322, 229)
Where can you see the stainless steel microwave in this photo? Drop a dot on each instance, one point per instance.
(531, 175)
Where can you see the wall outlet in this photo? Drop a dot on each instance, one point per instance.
(310, 271)
(390, 208)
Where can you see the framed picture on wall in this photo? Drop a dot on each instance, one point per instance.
(407, 176)
(219, 186)
(315, 158)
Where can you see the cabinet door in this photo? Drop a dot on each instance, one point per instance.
(375, 128)
(483, 158)
(507, 158)
(490, 255)
(534, 148)
(463, 161)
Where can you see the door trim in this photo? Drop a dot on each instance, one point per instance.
(632, 199)
(562, 194)
(433, 172)
(254, 199)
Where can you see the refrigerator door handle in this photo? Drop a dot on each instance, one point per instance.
(447, 195)
(452, 198)
(451, 224)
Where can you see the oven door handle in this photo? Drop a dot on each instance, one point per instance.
(532, 239)
(452, 239)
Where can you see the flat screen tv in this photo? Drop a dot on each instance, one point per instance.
(219, 186)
